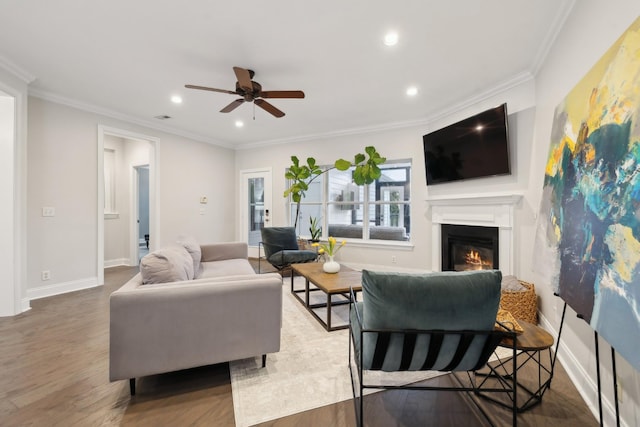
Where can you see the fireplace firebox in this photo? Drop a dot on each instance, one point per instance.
(468, 247)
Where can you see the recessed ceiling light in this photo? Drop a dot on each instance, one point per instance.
(239, 123)
(391, 38)
(176, 99)
(412, 91)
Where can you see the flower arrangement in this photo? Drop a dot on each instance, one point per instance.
(330, 248)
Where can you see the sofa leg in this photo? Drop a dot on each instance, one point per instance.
(132, 386)
(264, 360)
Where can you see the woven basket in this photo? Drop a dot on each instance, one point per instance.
(523, 305)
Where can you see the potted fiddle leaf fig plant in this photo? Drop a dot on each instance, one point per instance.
(366, 171)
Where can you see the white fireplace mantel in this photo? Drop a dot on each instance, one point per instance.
(485, 210)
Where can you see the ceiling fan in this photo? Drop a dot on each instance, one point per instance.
(251, 91)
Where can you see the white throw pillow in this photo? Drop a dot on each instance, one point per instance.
(193, 247)
(171, 264)
(511, 283)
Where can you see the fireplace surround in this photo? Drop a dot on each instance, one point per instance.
(495, 210)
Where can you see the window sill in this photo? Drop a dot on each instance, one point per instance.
(381, 244)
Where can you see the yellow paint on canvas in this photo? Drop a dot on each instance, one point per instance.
(625, 250)
(555, 157)
(606, 93)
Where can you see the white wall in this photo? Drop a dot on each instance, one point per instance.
(13, 174)
(591, 29)
(63, 174)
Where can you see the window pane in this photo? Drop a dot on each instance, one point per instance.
(306, 211)
(391, 222)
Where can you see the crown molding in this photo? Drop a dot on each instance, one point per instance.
(552, 35)
(17, 71)
(506, 85)
(58, 99)
(502, 87)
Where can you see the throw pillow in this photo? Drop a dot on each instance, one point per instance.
(511, 283)
(171, 264)
(193, 247)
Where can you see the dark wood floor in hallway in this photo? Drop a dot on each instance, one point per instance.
(54, 362)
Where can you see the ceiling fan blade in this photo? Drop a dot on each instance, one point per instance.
(209, 89)
(282, 94)
(268, 107)
(244, 78)
(235, 104)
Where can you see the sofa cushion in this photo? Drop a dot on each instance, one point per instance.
(193, 247)
(227, 267)
(170, 264)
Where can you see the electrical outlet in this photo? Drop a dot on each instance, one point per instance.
(393, 259)
(46, 275)
(48, 211)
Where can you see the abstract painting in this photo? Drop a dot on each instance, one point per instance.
(588, 236)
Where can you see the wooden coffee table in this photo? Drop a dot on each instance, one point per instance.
(333, 285)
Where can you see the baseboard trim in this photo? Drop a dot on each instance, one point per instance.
(116, 262)
(61, 288)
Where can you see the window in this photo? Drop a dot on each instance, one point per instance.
(378, 211)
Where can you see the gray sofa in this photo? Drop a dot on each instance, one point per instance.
(226, 312)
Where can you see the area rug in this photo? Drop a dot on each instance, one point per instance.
(310, 371)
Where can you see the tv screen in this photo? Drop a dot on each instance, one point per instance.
(472, 148)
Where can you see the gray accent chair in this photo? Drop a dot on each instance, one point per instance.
(426, 322)
(281, 248)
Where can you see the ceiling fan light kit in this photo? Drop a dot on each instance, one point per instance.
(251, 91)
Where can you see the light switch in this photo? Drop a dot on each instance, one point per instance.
(48, 211)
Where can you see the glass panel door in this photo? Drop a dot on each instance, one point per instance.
(255, 206)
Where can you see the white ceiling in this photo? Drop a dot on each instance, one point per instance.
(126, 58)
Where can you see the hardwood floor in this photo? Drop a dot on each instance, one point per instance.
(54, 372)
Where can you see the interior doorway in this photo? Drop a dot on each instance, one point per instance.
(142, 235)
(137, 152)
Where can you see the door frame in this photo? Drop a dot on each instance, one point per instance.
(245, 174)
(154, 199)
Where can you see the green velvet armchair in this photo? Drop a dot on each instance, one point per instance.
(426, 322)
(281, 248)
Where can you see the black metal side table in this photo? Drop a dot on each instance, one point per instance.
(531, 344)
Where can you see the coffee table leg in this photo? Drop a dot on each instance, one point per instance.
(306, 292)
(328, 312)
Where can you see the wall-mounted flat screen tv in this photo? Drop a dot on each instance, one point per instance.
(471, 148)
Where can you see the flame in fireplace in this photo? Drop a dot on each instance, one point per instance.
(473, 258)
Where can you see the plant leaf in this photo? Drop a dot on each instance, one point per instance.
(342, 165)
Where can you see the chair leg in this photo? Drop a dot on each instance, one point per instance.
(264, 360)
(132, 386)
